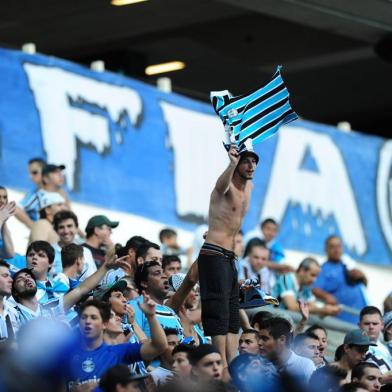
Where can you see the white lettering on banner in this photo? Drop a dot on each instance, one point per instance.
(64, 125)
(199, 157)
(326, 191)
(384, 191)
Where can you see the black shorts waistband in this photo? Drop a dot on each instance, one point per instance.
(218, 250)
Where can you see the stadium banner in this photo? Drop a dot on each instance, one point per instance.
(130, 147)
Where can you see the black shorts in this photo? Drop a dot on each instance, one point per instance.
(219, 290)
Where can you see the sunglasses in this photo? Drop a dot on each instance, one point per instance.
(148, 264)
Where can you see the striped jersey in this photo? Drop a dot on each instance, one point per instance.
(164, 314)
(256, 115)
(50, 310)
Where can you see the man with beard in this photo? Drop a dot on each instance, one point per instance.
(24, 289)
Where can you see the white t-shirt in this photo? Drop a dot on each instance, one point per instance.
(53, 309)
(10, 312)
(89, 264)
(300, 368)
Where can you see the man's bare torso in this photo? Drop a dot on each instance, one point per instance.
(226, 214)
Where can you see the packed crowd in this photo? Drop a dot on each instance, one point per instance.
(80, 313)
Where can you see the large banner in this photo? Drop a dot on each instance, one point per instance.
(130, 147)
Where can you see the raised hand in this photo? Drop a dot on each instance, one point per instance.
(6, 211)
(303, 309)
(148, 306)
(130, 314)
(113, 262)
(234, 156)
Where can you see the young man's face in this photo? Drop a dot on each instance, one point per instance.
(3, 197)
(5, 281)
(157, 283)
(371, 379)
(334, 249)
(154, 255)
(91, 323)
(55, 178)
(323, 342)
(172, 341)
(35, 170)
(355, 354)
(373, 325)
(269, 230)
(25, 285)
(268, 346)
(192, 300)
(171, 241)
(103, 233)
(258, 258)
(209, 367)
(173, 268)
(38, 262)
(309, 276)
(67, 230)
(248, 343)
(246, 167)
(114, 324)
(310, 349)
(118, 302)
(181, 364)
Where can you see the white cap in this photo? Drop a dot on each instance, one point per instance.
(175, 281)
(47, 199)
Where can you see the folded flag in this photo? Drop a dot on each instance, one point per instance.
(252, 296)
(251, 118)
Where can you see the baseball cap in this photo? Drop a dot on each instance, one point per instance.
(100, 294)
(245, 153)
(175, 281)
(387, 319)
(358, 338)
(99, 220)
(46, 199)
(50, 168)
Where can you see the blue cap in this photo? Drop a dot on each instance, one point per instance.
(358, 338)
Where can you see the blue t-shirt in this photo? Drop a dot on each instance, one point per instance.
(165, 316)
(31, 204)
(332, 279)
(83, 366)
(276, 251)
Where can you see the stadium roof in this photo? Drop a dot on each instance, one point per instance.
(334, 52)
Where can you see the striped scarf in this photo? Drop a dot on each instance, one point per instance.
(253, 117)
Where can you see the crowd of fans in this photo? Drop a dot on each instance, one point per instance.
(80, 313)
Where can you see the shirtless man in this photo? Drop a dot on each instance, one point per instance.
(217, 271)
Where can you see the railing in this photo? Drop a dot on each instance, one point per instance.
(336, 328)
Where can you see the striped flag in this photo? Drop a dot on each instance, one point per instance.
(251, 118)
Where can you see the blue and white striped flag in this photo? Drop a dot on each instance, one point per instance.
(251, 118)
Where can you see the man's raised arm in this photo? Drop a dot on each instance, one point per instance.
(223, 182)
(75, 295)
